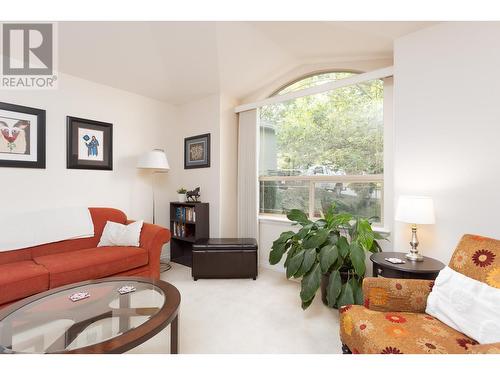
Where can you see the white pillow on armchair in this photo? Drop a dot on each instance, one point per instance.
(116, 234)
(466, 305)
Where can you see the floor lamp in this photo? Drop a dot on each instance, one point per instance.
(155, 161)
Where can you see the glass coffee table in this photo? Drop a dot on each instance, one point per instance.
(104, 322)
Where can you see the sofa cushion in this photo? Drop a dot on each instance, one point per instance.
(81, 265)
(99, 217)
(377, 332)
(22, 279)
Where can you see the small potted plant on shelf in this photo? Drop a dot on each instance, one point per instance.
(330, 253)
(181, 195)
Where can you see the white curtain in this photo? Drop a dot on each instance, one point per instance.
(248, 205)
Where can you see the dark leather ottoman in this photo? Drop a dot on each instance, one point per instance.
(225, 258)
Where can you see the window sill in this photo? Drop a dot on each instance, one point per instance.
(283, 220)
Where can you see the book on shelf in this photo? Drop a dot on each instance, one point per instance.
(182, 230)
(184, 214)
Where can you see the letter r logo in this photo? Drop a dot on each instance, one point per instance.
(27, 49)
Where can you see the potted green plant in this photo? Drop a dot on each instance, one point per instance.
(331, 251)
(181, 194)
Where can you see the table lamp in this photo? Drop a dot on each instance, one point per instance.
(156, 161)
(415, 210)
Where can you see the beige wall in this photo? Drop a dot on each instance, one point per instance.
(447, 132)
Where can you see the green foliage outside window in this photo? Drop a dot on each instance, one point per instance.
(339, 132)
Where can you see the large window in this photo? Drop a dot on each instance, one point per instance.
(322, 149)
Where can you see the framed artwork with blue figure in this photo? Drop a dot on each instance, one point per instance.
(89, 144)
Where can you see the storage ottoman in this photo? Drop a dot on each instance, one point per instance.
(225, 258)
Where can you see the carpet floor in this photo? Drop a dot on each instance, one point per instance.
(246, 317)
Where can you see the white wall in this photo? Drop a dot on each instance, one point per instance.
(213, 114)
(138, 126)
(228, 167)
(447, 131)
(195, 118)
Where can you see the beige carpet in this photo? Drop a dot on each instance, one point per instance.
(246, 316)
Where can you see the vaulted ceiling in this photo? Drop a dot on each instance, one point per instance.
(182, 61)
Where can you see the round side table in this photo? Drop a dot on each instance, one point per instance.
(428, 269)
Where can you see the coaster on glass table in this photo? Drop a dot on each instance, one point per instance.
(79, 296)
(126, 289)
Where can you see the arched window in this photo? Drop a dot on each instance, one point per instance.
(313, 79)
(323, 149)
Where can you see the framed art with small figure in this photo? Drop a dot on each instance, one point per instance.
(22, 136)
(89, 144)
(197, 151)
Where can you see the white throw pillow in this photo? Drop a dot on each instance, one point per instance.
(467, 305)
(116, 234)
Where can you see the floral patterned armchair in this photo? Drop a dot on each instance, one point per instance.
(393, 319)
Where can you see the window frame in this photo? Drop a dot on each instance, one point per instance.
(309, 75)
(313, 180)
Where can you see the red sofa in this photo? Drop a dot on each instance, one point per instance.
(33, 270)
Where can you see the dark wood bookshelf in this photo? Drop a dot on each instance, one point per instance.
(181, 247)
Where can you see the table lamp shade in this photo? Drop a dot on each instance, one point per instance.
(156, 159)
(415, 210)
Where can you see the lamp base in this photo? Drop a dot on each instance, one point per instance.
(415, 257)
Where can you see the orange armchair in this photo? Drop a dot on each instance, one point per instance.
(393, 319)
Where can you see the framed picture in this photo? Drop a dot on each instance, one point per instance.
(22, 136)
(89, 144)
(197, 151)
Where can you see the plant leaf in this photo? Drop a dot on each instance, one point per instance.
(321, 223)
(357, 291)
(342, 219)
(304, 231)
(307, 263)
(330, 214)
(365, 234)
(380, 236)
(310, 283)
(375, 247)
(346, 297)
(327, 256)
(333, 289)
(343, 246)
(294, 264)
(316, 240)
(291, 253)
(305, 305)
(298, 216)
(333, 237)
(277, 253)
(279, 247)
(357, 256)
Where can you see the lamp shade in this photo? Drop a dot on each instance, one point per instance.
(415, 210)
(156, 159)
